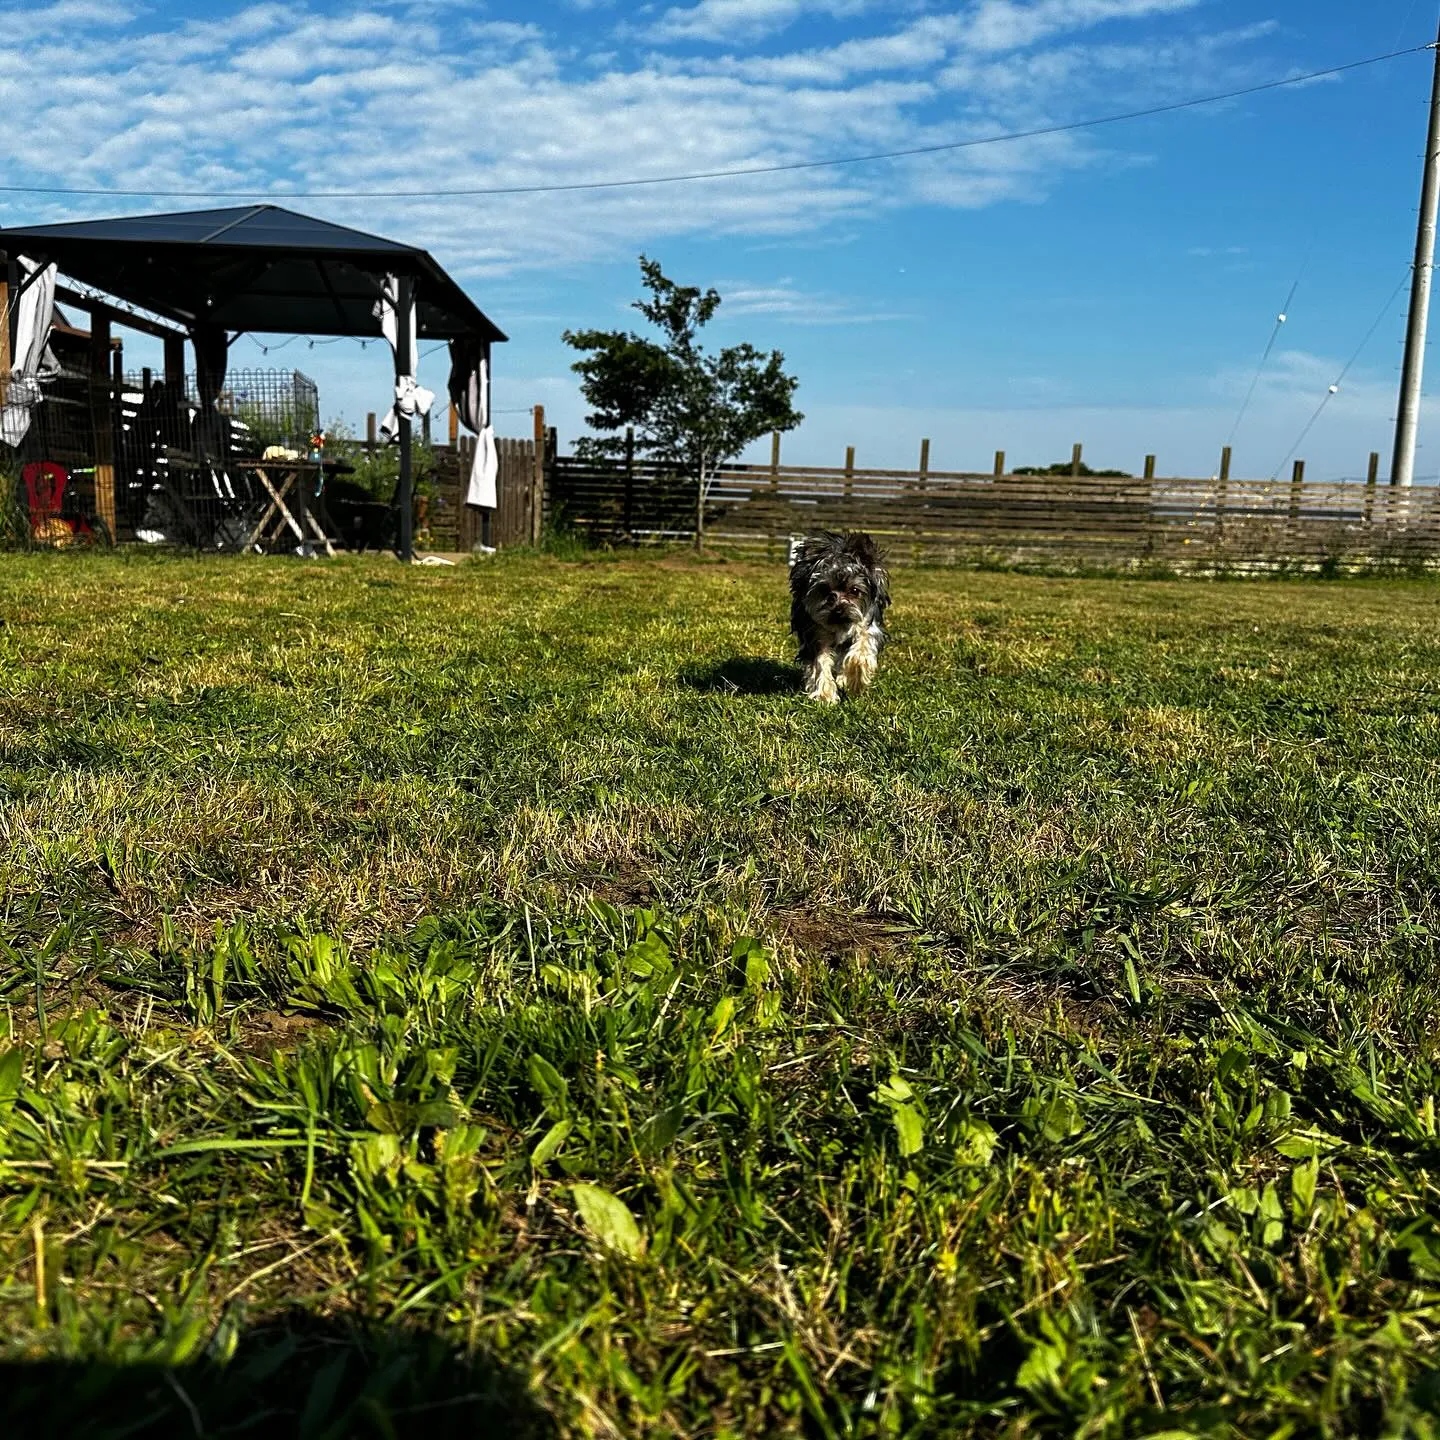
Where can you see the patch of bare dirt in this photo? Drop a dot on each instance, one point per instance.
(266, 1031)
(622, 884)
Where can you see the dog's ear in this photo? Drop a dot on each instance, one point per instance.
(801, 569)
(868, 553)
(809, 555)
(812, 547)
(864, 549)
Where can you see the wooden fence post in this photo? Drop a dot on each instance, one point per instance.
(1224, 492)
(924, 461)
(849, 471)
(1075, 455)
(9, 321)
(370, 440)
(1149, 467)
(629, 482)
(537, 480)
(102, 418)
(1222, 495)
(999, 463)
(1297, 479)
(1372, 479)
(4, 325)
(454, 424)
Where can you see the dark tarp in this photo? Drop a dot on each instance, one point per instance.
(253, 268)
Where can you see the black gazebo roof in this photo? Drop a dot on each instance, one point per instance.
(252, 268)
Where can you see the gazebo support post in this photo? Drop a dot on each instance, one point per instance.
(403, 364)
(175, 367)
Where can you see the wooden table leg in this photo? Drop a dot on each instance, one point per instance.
(307, 517)
(323, 522)
(258, 533)
(277, 504)
(254, 536)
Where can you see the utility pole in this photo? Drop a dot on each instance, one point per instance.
(1407, 421)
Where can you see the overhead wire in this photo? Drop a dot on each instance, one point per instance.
(1280, 320)
(1334, 389)
(1286, 309)
(786, 167)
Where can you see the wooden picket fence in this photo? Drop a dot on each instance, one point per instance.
(517, 520)
(957, 517)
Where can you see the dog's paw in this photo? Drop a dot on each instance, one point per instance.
(858, 673)
(825, 690)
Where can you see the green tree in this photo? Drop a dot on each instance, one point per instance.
(688, 408)
(1067, 467)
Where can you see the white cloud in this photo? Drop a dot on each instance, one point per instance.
(922, 44)
(282, 98)
(732, 21)
(998, 25)
(41, 18)
(785, 299)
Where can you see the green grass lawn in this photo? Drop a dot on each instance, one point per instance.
(490, 1001)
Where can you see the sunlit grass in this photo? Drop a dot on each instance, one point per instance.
(1042, 1045)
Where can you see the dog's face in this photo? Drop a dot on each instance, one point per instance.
(841, 591)
(839, 581)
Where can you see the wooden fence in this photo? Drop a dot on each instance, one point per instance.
(518, 518)
(941, 517)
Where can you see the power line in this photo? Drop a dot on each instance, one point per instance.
(1366, 123)
(1334, 389)
(788, 167)
(1280, 320)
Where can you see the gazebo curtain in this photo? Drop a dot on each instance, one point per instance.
(32, 360)
(470, 394)
(411, 399)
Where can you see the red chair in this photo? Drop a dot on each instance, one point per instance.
(45, 483)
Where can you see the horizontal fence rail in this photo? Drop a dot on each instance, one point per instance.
(963, 516)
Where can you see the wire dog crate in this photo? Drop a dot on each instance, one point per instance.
(177, 475)
(181, 471)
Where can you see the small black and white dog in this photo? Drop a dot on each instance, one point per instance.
(838, 594)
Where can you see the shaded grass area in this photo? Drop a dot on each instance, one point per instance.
(435, 997)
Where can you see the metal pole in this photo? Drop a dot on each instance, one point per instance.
(403, 362)
(1407, 421)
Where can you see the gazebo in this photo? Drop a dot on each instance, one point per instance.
(209, 276)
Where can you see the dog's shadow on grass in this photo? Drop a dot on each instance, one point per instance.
(303, 1376)
(743, 675)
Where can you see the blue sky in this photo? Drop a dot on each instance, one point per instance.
(1114, 286)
